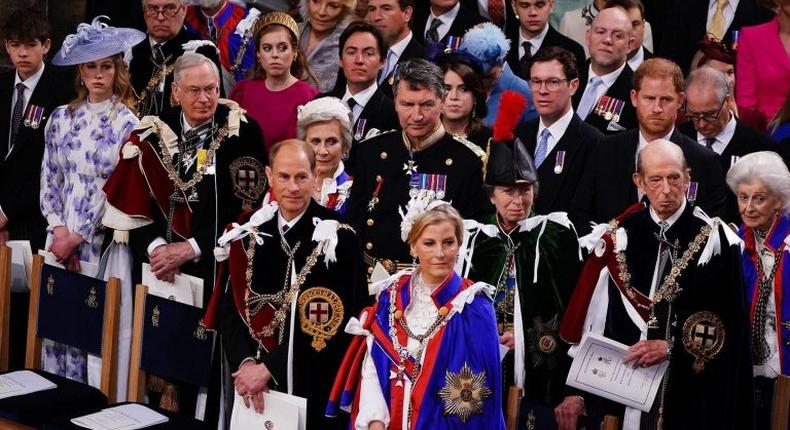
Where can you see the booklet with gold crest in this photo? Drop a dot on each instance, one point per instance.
(598, 368)
(280, 412)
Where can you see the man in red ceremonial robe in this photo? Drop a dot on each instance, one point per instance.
(296, 276)
(664, 279)
(182, 177)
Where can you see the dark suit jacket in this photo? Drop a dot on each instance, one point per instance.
(687, 25)
(553, 38)
(556, 189)
(141, 67)
(20, 170)
(745, 141)
(620, 90)
(607, 187)
(378, 113)
(415, 49)
(465, 20)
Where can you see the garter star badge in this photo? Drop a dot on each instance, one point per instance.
(703, 338)
(464, 392)
(320, 315)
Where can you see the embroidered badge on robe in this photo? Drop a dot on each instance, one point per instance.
(703, 338)
(464, 392)
(320, 315)
(249, 180)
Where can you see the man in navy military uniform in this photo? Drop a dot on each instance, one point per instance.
(423, 158)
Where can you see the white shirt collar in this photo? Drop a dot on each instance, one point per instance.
(637, 59)
(398, 48)
(281, 222)
(609, 78)
(185, 126)
(31, 82)
(674, 217)
(535, 42)
(723, 138)
(557, 130)
(363, 97)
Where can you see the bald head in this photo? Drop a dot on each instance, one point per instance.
(662, 176)
(660, 150)
(293, 147)
(609, 39)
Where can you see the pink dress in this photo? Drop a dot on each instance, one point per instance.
(275, 111)
(762, 71)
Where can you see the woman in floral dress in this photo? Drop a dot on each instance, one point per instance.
(82, 144)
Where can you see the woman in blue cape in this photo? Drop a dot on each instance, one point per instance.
(426, 354)
(761, 183)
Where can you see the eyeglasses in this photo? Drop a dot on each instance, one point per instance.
(707, 116)
(195, 92)
(168, 10)
(552, 84)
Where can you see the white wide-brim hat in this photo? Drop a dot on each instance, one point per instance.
(96, 41)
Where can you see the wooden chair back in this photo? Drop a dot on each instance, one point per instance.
(169, 340)
(610, 422)
(5, 306)
(109, 322)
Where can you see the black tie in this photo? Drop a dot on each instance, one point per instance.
(286, 227)
(433, 33)
(709, 141)
(351, 103)
(16, 118)
(524, 61)
(158, 54)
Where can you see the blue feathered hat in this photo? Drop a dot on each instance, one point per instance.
(487, 43)
(95, 41)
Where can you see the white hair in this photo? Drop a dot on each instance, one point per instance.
(707, 78)
(322, 110)
(767, 167)
(192, 59)
(348, 10)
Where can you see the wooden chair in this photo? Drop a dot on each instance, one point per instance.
(5, 305)
(75, 310)
(780, 414)
(610, 422)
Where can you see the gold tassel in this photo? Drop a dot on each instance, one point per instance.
(169, 400)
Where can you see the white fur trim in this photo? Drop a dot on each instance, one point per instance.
(129, 150)
(115, 219)
(248, 22)
(377, 287)
(468, 295)
(194, 45)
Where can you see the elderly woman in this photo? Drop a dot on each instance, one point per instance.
(533, 261)
(464, 104)
(761, 183)
(274, 92)
(324, 21)
(325, 124)
(431, 355)
(82, 145)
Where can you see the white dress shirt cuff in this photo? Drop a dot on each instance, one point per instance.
(156, 243)
(195, 247)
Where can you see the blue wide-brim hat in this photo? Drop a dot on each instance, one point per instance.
(96, 41)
